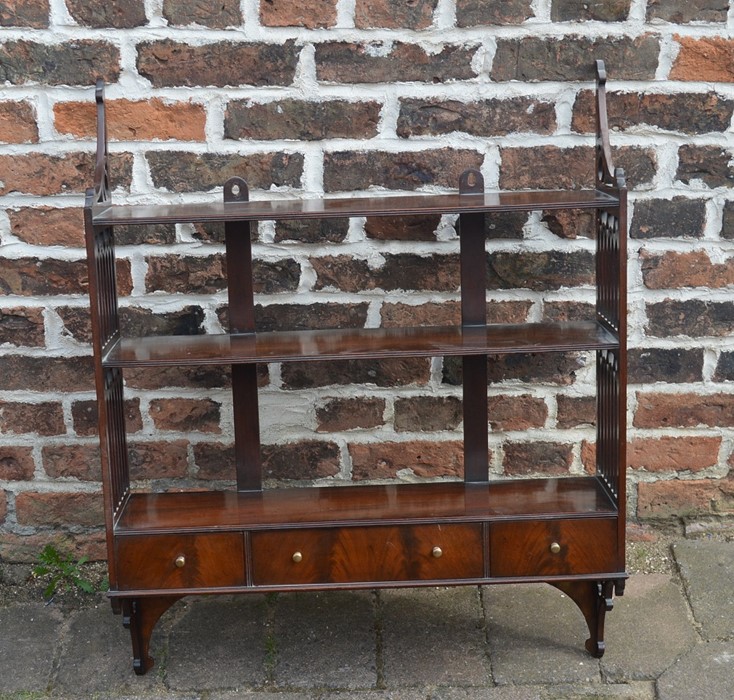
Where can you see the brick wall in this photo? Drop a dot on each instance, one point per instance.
(327, 96)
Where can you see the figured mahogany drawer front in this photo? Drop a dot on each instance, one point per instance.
(553, 547)
(361, 554)
(180, 561)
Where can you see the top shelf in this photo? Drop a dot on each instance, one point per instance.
(404, 205)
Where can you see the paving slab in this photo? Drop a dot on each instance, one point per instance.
(325, 640)
(707, 569)
(641, 690)
(433, 636)
(648, 629)
(706, 672)
(218, 643)
(28, 644)
(536, 635)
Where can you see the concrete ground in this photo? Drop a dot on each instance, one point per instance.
(670, 637)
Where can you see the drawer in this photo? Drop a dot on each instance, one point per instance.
(180, 561)
(363, 554)
(553, 547)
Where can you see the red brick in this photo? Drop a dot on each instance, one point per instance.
(194, 377)
(22, 327)
(588, 456)
(394, 14)
(673, 270)
(350, 414)
(507, 412)
(33, 277)
(546, 167)
(169, 63)
(280, 317)
(219, 15)
(158, 460)
(305, 460)
(59, 509)
(47, 226)
(540, 271)
(471, 13)
(385, 373)
(402, 228)
(25, 548)
(16, 463)
(84, 416)
(420, 458)
(311, 14)
(142, 322)
(448, 313)
(24, 13)
(568, 311)
(134, 120)
(550, 458)
(602, 11)
(672, 454)
(121, 14)
(575, 411)
(684, 11)
(312, 231)
(657, 410)
(712, 165)
(681, 498)
(427, 413)
(17, 122)
(708, 59)
(44, 418)
(47, 374)
(80, 461)
(214, 461)
(553, 368)
(186, 415)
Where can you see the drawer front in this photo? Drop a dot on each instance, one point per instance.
(553, 547)
(180, 561)
(363, 554)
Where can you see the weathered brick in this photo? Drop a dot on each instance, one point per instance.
(185, 274)
(472, 13)
(639, 165)
(350, 414)
(48, 226)
(74, 62)
(395, 314)
(193, 377)
(25, 548)
(685, 11)
(169, 63)
(42, 277)
(550, 458)
(674, 270)
(43, 418)
(692, 318)
(725, 367)
(660, 410)
(685, 498)
(302, 120)
(687, 113)
(312, 230)
(511, 412)
(178, 171)
(402, 228)
(77, 323)
(359, 170)
(570, 58)
(186, 415)
(343, 272)
(709, 59)
(281, 317)
(84, 417)
(495, 117)
(727, 224)
(121, 14)
(427, 413)
(220, 15)
(503, 225)
(390, 372)
(59, 509)
(311, 14)
(546, 167)
(18, 122)
(568, 224)
(673, 454)
(345, 62)
(678, 217)
(711, 165)
(214, 461)
(307, 459)
(599, 10)
(3, 509)
(539, 271)
(158, 460)
(24, 13)
(78, 461)
(575, 411)
(16, 463)
(136, 322)
(134, 120)
(568, 311)
(550, 368)
(22, 373)
(672, 365)
(421, 458)
(394, 14)
(22, 326)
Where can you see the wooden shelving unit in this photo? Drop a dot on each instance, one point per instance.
(568, 532)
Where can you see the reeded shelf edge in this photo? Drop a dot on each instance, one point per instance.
(360, 343)
(321, 208)
(339, 506)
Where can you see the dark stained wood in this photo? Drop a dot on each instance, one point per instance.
(140, 615)
(363, 343)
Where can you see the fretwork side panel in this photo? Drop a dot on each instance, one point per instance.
(106, 286)
(608, 234)
(117, 454)
(608, 450)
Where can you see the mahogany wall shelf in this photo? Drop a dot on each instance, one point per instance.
(565, 531)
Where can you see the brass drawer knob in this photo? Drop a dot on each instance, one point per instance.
(297, 557)
(555, 548)
(180, 561)
(437, 552)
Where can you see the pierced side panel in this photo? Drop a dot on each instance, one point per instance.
(608, 273)
(116, 443)
(609, 395)
(105, 296)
